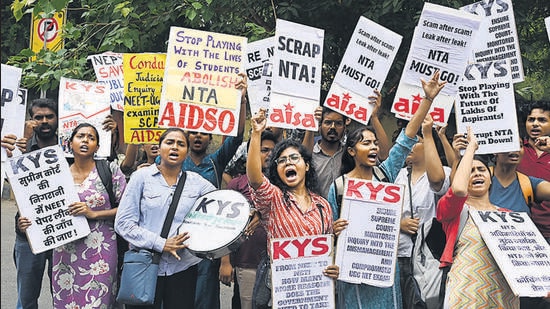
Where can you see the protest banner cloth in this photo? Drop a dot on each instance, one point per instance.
(441, 41)
(198, 93)
(44, 188)
(297, 272)
(297, 72)
(497, 38)
(143, 78)
(259, 69)
(366, 250)
(83, 101)
(518, 247)
(108, 70)
(486, 103)
(13, 105)
(364, 67)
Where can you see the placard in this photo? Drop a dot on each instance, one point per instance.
(297, 272)
(441, 41)
(259, 70)
(486, 103)
(366, 250)
(43, 187)
(12, 104)
(143, 78)
(108, 70)
(520, 250)
(364, 67)
(83, 101)
(297, 73)
(497, 38)
(198, 92)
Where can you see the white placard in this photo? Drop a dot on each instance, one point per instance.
(497, 38)
(259, 70)
(547, 22)
(297, 272)
(520, 250)
(44, 188)
(486, 102)
(108, 70)
(364, 67)
(366, 250)
(297, 73)
(441, 41)
(11, 115)
(83, 101)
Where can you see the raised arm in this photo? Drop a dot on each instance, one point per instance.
(450, 155)
(384, 144)
(431, 90)
(434, 167)
(254, 162)
(243, 86)
(309, 136)
(461, 178)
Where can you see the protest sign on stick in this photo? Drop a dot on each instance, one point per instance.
(43, 187)
(364, 67)
(259, 70)
(143, 77)
(486, 103)
(497, 38)
(366, 250)
(198, 92)
(11, 118)
(441, 41)
(83, 101)
(297, 272)
(297, 72)
(108, 70)
(518, 247)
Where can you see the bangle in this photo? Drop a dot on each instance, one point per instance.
(428, 98)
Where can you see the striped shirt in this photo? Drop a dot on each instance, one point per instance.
(287, 220)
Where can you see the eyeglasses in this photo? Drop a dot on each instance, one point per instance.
(336, 123)
(293, 159)
(266, 150)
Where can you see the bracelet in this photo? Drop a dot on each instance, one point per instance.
(428, 98)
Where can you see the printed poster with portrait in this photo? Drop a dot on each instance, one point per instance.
(44, 188)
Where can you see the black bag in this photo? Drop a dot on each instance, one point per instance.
(411, 292)
(261, 295)
(435, 239)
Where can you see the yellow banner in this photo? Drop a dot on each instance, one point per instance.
(143, 76)
(46, 32)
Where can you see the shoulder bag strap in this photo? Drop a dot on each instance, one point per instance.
(320, 207)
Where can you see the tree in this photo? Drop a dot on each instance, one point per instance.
(95, 26)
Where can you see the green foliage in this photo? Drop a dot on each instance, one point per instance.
(96, 26)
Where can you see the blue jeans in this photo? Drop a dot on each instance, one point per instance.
(207, 295)
(30, 271)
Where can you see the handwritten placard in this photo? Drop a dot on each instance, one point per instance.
(520, 250)
(297, 71)
(497, 38)
(108, 70)
(143, 78)
(364, 67)
(83, 101)
(366, 250)
(486, 103)
(297, 272)
(198, 92)
(441, 41)
(43, 187)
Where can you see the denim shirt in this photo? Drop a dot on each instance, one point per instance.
(144, 206)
